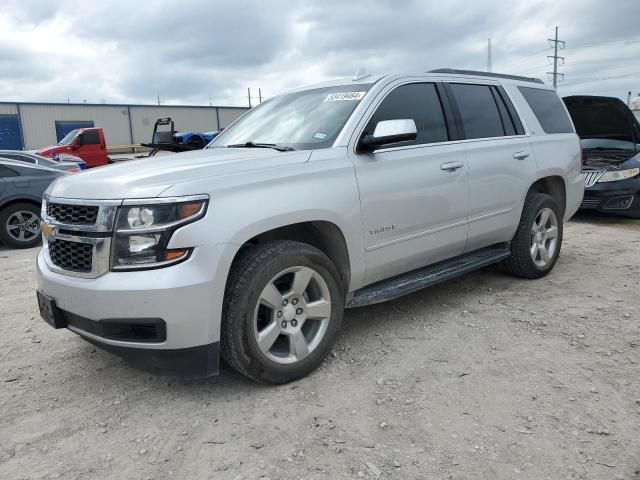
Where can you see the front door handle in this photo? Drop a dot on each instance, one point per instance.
(520, 155)
(451, 166)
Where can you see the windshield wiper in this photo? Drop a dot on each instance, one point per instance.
(280, 148)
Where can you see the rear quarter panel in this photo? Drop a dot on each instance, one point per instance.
(557, 154)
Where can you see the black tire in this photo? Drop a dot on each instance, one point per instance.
(8, 222)
(250, 274)
(521, 262)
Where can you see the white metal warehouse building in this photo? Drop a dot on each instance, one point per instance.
(31, 126)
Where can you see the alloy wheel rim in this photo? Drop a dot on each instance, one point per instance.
(292, 315)
(23, 226)
(544, 237)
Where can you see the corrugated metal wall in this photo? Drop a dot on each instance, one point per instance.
(39, 120)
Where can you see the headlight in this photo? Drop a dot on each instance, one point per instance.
(144, 228)
(615, 175)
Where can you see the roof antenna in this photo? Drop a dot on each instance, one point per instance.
(360, 74)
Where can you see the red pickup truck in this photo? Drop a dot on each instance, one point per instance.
(87, 143)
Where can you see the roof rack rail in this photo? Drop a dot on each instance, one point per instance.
(485, 74)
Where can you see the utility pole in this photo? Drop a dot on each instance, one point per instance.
(158, 99)
(489, 55)
(249, 95)
(260, 95)
(556, 43)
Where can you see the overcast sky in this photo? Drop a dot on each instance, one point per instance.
(132, 51)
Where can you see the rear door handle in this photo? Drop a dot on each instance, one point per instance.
(451, 166)
(520, 155)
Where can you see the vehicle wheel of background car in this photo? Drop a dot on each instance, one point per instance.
(20, 225)
(282, 311)
(536, 245)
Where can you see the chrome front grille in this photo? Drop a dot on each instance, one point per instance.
(592, 176)
(77, 235)
(73, 214)
(71, 256)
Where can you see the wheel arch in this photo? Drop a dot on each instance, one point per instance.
(324, 235)
(553, 185)
(14, 200)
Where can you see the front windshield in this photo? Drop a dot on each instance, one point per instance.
(68, 138)
(304, 120)
(607, 144)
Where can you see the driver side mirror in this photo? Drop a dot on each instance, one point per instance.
(388, 132)
(75, 145)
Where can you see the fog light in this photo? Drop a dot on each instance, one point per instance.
(619, 203)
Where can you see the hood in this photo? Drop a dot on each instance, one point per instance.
(48, 151)
(602, 117)
(149, 177)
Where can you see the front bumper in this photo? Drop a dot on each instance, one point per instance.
(620, 198)
(182, 302)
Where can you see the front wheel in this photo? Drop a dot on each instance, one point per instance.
(536, 245)
(20, 225)
(282, 311)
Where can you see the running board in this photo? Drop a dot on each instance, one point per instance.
(415, 280)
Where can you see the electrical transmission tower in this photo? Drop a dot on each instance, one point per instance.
(556, 44)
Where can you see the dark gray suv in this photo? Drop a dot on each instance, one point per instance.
(21, 190)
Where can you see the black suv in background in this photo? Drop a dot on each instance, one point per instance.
(610, 138)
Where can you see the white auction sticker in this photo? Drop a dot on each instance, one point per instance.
(342, 96)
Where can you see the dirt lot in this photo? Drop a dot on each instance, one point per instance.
(485, 377)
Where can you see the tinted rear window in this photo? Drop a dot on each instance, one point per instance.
(548, 109)
(6, 172)
(478, 111)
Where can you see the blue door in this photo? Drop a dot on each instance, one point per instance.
(64, 127)
(10, 137)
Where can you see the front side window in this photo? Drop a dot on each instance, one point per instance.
(305, 120)
(419, 102)
(478, 111)
(548, 109)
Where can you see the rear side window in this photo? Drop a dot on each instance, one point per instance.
(478, 111)
(417, 101)
(6, 172)
(548, 109)
(90, 138)
(21, 158)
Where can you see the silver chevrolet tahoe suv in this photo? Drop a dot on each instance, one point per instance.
(338, 195)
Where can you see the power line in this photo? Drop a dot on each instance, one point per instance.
(519, 59)
(597, 44)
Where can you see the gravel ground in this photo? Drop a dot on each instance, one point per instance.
(485, 377)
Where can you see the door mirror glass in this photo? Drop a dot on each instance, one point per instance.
(390, 131)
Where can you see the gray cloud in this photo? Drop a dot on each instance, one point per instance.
(127, 51)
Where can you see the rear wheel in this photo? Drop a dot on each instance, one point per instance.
(20, 225)
(536, 245)
(282, 312)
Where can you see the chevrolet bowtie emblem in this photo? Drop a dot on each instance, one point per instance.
(47, 230)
